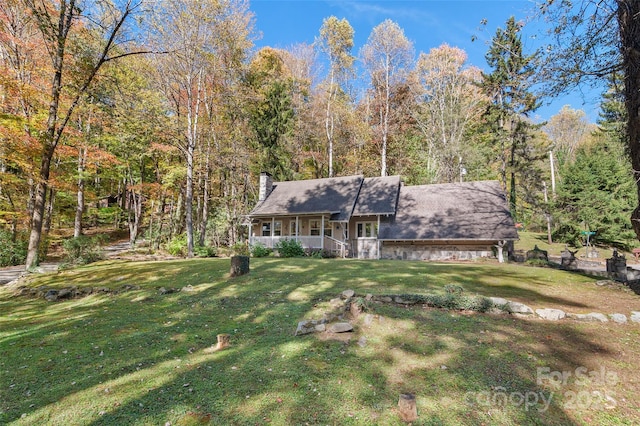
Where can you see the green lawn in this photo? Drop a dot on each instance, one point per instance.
(142, 358)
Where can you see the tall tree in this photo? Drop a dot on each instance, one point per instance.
(57, 22)
(593, 40)
(271, 113)
(197, 35)
(508, 87)
(387, 56)
(448, 102)
(335, 41)
(568, 129)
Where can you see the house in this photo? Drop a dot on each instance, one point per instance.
(381, 218)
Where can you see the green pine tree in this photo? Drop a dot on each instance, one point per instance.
(508, 86)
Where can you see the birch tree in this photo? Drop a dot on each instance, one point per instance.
(336, 42)
(449, 101)
(387, 56)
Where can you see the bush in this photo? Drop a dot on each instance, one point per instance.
(83, 249)
(453, 289)
(204, 251)
(12, 252)
(320, 253)
(177, 246)
(538, 262)
(289, 248)
(453, 299)
(240, 249)
(260, 250)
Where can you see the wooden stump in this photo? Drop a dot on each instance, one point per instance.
(407, 407)
(223, 341)
(239, 265)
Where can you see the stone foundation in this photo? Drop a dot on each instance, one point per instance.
(398, 251)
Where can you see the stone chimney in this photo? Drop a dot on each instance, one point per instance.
(266, 185)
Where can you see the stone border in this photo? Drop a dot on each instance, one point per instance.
(350, 303)
(51, 294)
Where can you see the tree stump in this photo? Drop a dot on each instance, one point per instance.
(239, 265)
(407, 407)
(223, 341)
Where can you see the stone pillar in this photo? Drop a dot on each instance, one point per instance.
(617, 266)
(568, 259)
(266, 186)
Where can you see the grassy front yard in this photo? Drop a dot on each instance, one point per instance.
(142, 358)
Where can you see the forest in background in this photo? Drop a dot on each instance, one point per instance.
(160, 120)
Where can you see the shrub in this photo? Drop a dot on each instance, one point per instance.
(320, 253)
(12, 252)
(83, 249)
(476, 303)
(537, 262)
(177, 246)
(204, 251)
(240, 249)
(260, 250)
(453, 289)
(289, 248)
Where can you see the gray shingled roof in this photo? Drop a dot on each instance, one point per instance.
(335, 196)
(457, 211)
(378, 195)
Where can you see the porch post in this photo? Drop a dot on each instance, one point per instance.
(322, 234)
(297, 229)
(377, 238)
(273, 224)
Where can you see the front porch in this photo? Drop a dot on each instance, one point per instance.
(330, 244)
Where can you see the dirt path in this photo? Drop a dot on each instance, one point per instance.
(11, 273)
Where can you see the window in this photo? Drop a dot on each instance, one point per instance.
(277, 228)
(314, 227)
(266, 229)
(328, 230)
(367, 229)
(292, 229)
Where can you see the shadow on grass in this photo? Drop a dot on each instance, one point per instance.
(139, 357)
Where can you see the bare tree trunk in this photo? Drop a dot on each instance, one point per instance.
(48, 217)
(206, 187)
(77, 224)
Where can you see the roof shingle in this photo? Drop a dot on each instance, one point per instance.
(335, 196)
(457, 211)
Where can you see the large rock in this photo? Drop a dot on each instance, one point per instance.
(551, 314)
(509, 306)
(347, 294)
(498, 301)
(51, 295)
(618, 318)
(308, 327)
(65, 293)
(635, 316)
(519, 308)
(593, 316)
(341, 327)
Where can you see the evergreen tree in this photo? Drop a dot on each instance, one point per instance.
(511, 101)
(597, 193)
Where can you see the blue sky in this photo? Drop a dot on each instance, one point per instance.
(427, 23)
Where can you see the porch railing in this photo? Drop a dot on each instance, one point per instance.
(310, 242)
(337, 247)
